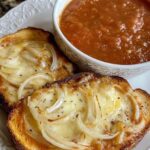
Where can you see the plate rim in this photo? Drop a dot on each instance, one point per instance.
(14, 18)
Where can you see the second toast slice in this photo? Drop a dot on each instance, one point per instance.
(29, 58)
(83, 112)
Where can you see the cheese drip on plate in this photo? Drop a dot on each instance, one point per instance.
(72, 118)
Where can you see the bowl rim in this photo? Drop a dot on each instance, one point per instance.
(56, 19)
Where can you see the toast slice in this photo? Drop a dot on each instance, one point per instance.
(83, 112)
(29, 58)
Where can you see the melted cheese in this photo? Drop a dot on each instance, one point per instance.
(109, 102)
(26, 62)
(112, 114)
(22, 60)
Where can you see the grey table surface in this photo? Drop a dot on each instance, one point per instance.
(6, 5)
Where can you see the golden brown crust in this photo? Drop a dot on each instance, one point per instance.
(128, 145)
(25, 35)
(14, 37)
(24, 141)
(16, 125)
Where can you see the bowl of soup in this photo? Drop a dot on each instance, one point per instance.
(108, 37)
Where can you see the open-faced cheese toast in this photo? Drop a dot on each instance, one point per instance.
(83, 112)
(28, 59)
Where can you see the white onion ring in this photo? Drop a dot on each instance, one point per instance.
(137, 127)
(134, 102)
(60, 141)
(136, 108)
(93, 134)
(121, 137)
(63, 119)
(57, 105)
(54, 65)
(29, 57)
(23, 85)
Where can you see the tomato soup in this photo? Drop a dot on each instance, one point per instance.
(114, 31)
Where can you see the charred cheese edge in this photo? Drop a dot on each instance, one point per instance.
(85, 111)
(29, 58)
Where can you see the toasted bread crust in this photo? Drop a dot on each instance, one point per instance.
(131, 143)
(93, 76)
(15, 122)
(29, 34)
(25, 142)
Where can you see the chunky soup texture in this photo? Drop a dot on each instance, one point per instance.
(115, 31)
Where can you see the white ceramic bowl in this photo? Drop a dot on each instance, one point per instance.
(86, 62)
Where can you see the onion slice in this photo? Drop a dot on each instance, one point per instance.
(92, 133)
(23, 85)
(58, 141)
(58, 103)
(54, 65)
(53, 141)
(29, 57)
(136, 108)
(35, 48)
(121, 137)
(62, 119)
(97, 110)
(137, 127)
(134, 102)
(90, 107)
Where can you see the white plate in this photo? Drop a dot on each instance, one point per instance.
(37, 13)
